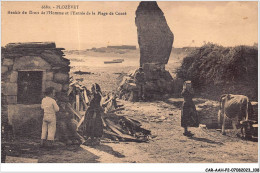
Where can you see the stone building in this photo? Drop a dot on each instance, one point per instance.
(27, 70)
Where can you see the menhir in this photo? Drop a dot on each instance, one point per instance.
(155, 41)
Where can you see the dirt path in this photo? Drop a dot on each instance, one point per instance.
(170, 146)
(167, 144)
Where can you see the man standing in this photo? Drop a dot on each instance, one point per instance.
(140, 83)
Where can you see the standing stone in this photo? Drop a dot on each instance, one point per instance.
(154, 35)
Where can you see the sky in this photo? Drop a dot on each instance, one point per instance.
(193, 23)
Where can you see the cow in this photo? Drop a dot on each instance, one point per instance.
(235, 107)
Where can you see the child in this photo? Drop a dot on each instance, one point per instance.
(50, 107)
(189, 116)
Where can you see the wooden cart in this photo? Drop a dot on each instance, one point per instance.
(249, 128)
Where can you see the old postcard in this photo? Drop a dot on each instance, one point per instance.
(130, 82)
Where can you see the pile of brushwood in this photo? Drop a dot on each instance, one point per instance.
(122, 128)
(215, 70)
(117, 127)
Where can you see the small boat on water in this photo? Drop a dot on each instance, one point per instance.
(82, 72)
(114, 61)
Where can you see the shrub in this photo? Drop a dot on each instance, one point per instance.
(222, 70)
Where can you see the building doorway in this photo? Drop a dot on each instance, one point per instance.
(29, 87)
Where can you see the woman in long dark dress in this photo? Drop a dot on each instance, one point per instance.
(189, 117)
(93, 121)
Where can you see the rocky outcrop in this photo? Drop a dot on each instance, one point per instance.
(156, 87)
(154, 35)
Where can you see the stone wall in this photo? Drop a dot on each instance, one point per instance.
(25, 119)
(208, 113)
(44, 57)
